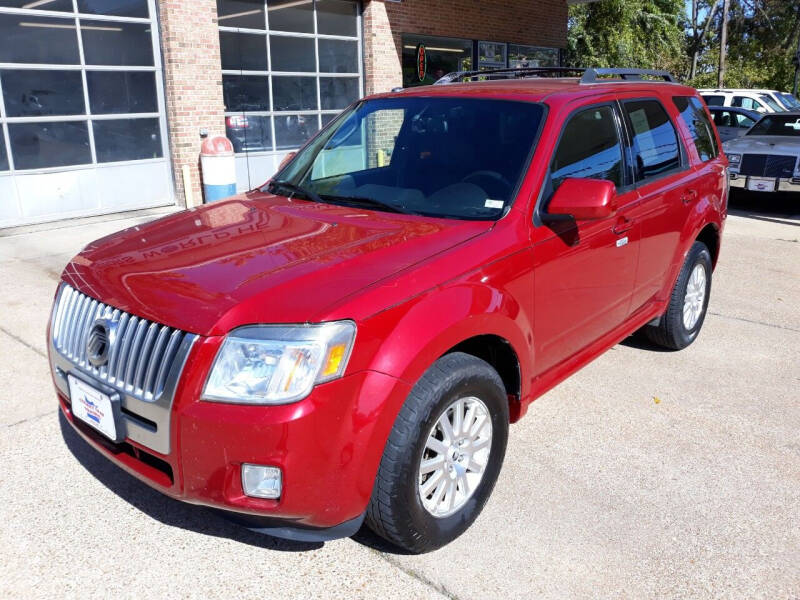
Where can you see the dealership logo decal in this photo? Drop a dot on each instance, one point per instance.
(422, 62)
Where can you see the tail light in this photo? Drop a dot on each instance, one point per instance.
(237, 122)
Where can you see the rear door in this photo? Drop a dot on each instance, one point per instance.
(666, 186)
(584, 270)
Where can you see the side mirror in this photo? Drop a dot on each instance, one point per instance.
(584, 199)
(286, 160)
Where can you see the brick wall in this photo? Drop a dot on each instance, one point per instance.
(531, 22)
(190, 47)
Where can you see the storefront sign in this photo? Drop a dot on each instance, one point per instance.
(422, 62)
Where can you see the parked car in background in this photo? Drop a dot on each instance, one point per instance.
(350, 342)
(733, 122)
(762, 101)
(765, 159)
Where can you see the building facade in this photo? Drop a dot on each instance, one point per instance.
(103, 102)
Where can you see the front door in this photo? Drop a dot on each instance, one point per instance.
(584, 270)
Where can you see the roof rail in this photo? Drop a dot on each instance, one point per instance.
(592, 75)
(588, 75)
(508, 73)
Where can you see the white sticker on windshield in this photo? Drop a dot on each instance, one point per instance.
(494, 204)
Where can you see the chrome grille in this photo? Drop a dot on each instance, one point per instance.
(141, 354)
(767, 165)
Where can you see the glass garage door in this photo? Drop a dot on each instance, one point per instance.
(81, 109)
(288, 68)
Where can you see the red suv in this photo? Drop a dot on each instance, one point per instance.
(351, 341)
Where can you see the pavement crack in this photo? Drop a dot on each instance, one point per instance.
(23, 342)
(413, 573)
(754, 322)
(29, 419)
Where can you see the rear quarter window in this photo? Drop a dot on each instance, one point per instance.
(714, 100)
(693, 115)
(655, 145)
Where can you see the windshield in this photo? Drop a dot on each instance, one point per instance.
(786, 125)
(770, 102)
(789, 100)
(459, 158)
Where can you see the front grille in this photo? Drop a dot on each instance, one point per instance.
(767, 165)
(140, 353)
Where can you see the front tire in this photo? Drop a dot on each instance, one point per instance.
(686, 312)
(443, 455)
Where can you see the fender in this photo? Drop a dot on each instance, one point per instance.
(705, 212)
(407, 339)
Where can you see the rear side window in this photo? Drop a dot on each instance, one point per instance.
(714, 100)
(693, 115)
(589, 148)
(655, 143)
(748, 103)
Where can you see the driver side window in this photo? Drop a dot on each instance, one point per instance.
(589, 148)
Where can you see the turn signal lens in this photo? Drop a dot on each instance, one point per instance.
(335, 358)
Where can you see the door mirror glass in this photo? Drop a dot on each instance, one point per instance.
(584, 199)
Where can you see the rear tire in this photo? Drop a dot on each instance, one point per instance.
(403, 510)
(686, 312)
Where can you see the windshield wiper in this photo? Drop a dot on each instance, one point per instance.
(296, 189)
(368, 202)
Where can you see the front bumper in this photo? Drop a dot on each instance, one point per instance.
(764, 184)
(328, 447)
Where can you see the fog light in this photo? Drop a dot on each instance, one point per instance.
(261, 482)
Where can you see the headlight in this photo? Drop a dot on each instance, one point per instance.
(734, 159)
(270, 364)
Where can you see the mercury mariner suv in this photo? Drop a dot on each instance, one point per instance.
(350, 342)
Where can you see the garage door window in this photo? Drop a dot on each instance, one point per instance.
(288, 66)
(79, 84)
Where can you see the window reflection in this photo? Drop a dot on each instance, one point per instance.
(241, 13)
(295, 93)
(249, 133)
(54, 5)
(337, 92)
(43, 145)
(335, 17)
(117, 8)
(3, 156)
(243, 51)
(115, 43)
(292, 131)
(35, 93)
(127, 139)
(338, 56)
(25, 39)
(113, 92)
(291, 15)
(245, 92)
(655, 143)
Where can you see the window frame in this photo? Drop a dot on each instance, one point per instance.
(709, 117)
(546, 190)
(77, 19)
(683, 155)
(316, 74)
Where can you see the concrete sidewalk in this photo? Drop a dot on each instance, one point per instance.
(647, 474)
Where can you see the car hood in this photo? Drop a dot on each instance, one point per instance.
(763, 144)
(256, 258)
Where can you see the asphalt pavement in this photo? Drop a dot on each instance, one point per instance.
(648, 474)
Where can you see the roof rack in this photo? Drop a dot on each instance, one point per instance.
(588, 75)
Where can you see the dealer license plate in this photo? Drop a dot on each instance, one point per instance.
(759, 184)
(93, 407)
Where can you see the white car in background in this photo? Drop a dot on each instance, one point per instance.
(765, 159)
(763, 101)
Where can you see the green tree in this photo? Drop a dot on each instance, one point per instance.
(628, 33)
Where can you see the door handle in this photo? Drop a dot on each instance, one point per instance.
(623, 224)
(689, 196)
